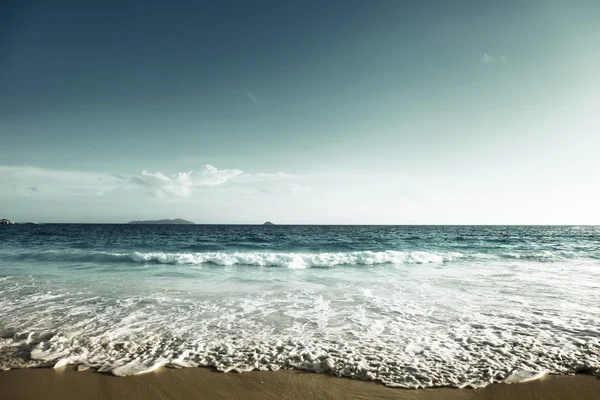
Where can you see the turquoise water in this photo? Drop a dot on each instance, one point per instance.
(408, 306)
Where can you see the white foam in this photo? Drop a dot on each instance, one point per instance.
(138, 366)
(294, 259)
(297, 260)
(464, 325)
(524, 375)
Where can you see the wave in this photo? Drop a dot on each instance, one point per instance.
(296, 260)
(288, 259)
(542, 256)
(262, 259)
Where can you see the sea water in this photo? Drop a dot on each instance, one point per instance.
(410, 306)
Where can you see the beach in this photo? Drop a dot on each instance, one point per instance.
(300, 200)
(204, 383)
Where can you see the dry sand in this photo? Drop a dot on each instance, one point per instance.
(203, 383)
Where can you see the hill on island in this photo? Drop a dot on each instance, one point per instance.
(268, 223)
(177, 221)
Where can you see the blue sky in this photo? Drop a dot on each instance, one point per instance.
(300, 112)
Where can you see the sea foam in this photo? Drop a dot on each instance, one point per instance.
(292, 259)
(407, 306)
(408, 331)
(296, 260)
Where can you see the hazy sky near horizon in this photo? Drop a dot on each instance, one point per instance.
(383, 112)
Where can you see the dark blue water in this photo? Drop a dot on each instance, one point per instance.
(502, 241)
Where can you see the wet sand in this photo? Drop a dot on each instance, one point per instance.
(203, 383)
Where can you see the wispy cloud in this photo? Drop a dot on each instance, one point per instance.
(252, 97)
(487, 59)
(18, 181)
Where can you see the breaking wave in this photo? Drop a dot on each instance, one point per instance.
(297, 260)
(287, 259)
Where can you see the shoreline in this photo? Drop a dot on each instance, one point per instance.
(193, 383)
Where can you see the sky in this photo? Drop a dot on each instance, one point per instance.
(301, 112)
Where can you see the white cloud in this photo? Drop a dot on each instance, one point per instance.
(163, 186)
(183, 183)
(16, 181)
(277, 184)
(487, 59)
(213, 176)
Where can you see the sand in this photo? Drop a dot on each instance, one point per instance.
(203, 383)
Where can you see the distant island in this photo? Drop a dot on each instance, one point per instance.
(177, 221)
(268, 223)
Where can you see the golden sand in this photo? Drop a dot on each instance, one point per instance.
(203, 383)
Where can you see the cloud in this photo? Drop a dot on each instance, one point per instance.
(264, 177)
(183, 183)
(211, 181)
(487, 59)
(252, 97)
(163, 186)
(21, 182)
(213, 176)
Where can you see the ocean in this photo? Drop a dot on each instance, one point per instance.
(409, 306)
